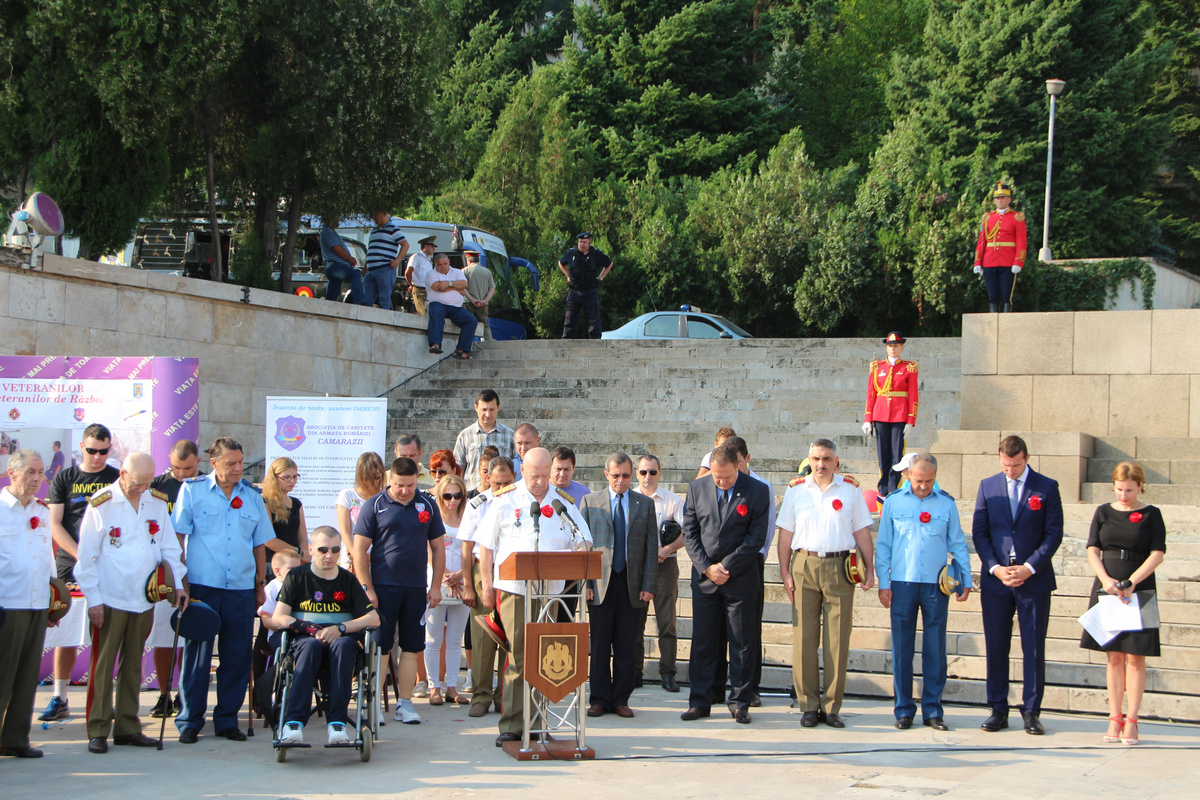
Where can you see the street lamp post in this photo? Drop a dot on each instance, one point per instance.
(1054, 87)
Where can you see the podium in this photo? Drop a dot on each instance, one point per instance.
(555, 653)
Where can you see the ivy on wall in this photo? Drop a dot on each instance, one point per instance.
(1083, 286)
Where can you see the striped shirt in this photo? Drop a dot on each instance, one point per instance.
(468, 447)
(330, 239)
(383, 246)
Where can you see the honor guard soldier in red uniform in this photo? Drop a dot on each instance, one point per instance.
(1000, 250)
(891, 408)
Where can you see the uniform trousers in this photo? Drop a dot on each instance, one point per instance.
(907, 600)
(613, 632)
(119, 641)
(481, 314)
(889, 444)
(587, 302)
(512, 715)
(236, 610)
(419, 298)
(824, 604)
(485, 653)
(666, 598)
(21, 638)
(999, 282)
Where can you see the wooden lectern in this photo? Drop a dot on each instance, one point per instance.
(555, 653)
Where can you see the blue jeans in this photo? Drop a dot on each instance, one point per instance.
(236, 608)
(377, 287)
(336, 273)
(907, 600)
(465, 320)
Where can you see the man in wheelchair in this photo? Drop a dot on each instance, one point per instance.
(324, 610)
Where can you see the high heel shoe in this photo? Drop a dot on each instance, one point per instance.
(1130, 720)
(1120, 720)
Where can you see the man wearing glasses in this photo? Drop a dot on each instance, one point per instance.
(667, 506)
(67, 498)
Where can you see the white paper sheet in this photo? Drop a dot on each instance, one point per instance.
(1110, 617)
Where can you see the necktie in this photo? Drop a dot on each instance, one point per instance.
(618, 563)
(722, 499)
(1014, 496)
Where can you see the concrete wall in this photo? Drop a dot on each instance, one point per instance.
(1104, 373)
(275, 344)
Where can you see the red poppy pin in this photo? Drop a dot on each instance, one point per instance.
(742, 510)
(547, 512)
(339, 596)
(34, 522)
(837, 505)
(925, 516)
(1035, 503)
(424, 517)
(236, 503)
(1135, 517)
(153, 524)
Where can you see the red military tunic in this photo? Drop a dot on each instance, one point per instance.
(892, 392)
(1001, 240)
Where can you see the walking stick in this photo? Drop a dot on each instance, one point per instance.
(250, 691)
(162, 730)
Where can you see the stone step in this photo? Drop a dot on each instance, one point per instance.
(1158, 493)
(1147, 448)
(1157, 472)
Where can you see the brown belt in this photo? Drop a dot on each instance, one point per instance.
(824, 554)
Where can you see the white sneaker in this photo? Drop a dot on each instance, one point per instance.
(337, 733)
(421, 690)
(406, 713)
(292, 733)
(468, 684)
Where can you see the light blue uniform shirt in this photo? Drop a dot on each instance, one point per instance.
(913, 551)
(220, 538)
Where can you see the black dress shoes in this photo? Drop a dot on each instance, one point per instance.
(188, 736)
(904, 723)
(834, 721)
(809, 720)
(138, 739)
(996, 722)
(233, 734)
(507, 736)
(1033, 726)
(21, 752)
(937, 723)
(669, 684)
(596, 710)
(740, 715)
(694, 713)
(757, 701)
(98, 744)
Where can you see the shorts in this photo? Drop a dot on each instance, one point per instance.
(401, 607)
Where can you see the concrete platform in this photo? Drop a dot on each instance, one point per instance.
(654, 755)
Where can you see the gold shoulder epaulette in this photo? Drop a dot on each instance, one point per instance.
(1020, 216)
(987, 214)
(850, 480)
(912, 366)
(508, 488)
(160, 495)
(101, 499)
(874, 363)
(564, 495)
(798, 481)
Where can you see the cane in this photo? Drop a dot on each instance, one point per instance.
(250, 690)
(162, 730)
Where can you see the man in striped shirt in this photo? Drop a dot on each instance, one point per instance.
(386, 248)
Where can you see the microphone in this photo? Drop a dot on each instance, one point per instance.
(535, 510)
(561, 510)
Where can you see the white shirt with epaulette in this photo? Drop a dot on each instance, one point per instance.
(823, 521)
(26, 553)
(509, 527)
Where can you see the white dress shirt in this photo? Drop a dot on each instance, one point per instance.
(26, 553)
(508, 528)
(809, 516)
(667, 505)
(117, 551)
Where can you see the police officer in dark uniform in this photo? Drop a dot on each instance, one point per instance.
(585, 267)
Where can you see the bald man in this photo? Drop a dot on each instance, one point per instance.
(125, 534)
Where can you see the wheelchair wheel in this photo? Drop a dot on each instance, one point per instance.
(367, 744)
(281, 754)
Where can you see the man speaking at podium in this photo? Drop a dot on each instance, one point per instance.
(523, 519)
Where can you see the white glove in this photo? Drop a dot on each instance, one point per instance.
(908, 426)
(1016, 270)
(978, 270)
(867, 429)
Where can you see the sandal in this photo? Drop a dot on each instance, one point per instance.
(1108, 737)
(453, 696)
(1130, 720)
(435, 697)
(436, 349)
(461, 354)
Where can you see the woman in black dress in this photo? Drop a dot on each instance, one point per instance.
(1127, 542)
(287, 513)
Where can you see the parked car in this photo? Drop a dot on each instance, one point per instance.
(686, 323)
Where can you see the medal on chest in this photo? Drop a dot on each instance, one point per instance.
(114, 537)
(517, 514)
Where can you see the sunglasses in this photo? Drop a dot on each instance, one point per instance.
(440, 471)
(647, 472)
(326, 550)
(92, 451)
(448, 496)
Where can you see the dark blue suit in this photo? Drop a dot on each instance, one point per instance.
(1033, 536)
(734, 540)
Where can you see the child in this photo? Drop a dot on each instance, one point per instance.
(281, 563)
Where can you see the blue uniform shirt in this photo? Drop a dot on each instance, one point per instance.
(913, 551)
(399, 538)
(220, 538)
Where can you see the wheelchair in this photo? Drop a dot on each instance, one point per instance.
(364, 695)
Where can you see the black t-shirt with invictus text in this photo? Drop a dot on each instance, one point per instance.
(71, 488)
(304, 591)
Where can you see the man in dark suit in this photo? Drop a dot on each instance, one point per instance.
(623, 527)
(724, 528)
(1017, 528)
